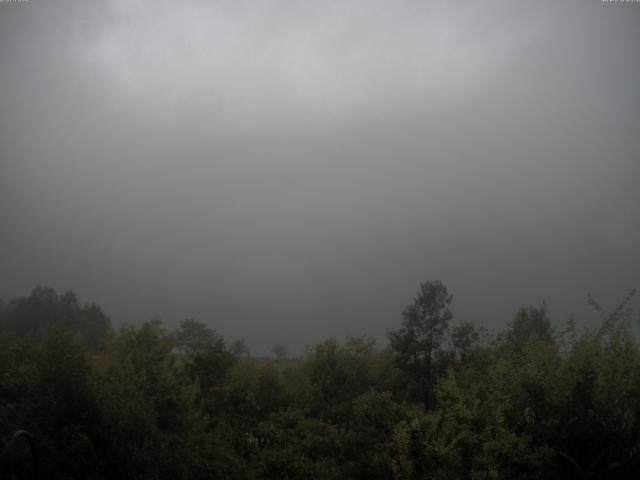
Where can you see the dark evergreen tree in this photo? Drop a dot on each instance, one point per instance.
(420, 337)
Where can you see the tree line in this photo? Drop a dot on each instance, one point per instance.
(442, 400)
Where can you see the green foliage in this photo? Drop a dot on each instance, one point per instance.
(206, 360)
(464, 340)
(145, 403)
(43, 310)
(152, 423)
(419, 340)
(530, 324)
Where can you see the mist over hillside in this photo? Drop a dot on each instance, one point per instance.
(314, 240)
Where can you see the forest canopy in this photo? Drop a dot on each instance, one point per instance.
(442, 399)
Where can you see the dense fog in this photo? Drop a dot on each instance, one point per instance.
(284, 171)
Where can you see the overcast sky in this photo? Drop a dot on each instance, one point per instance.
(290, 170)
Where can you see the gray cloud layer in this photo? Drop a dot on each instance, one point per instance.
(290, 170)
